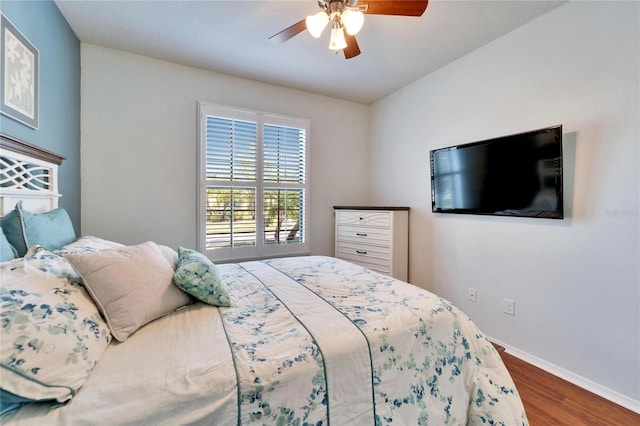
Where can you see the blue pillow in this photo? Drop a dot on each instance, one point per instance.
(198, 276)
(7, 252)
(51, 230)
(12, 229)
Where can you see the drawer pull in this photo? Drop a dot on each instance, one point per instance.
(361, 252)
(361, 234)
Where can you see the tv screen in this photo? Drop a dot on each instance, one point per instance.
(516, 175)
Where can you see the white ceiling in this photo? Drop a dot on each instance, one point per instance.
(232, 37)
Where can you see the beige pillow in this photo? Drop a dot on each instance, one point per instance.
(131, 285)
(170, 255)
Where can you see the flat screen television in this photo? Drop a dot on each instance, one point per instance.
(515, 175)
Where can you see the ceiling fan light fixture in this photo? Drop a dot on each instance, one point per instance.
(352, 20)
(316, 23)
(348, 15)
(337, 41)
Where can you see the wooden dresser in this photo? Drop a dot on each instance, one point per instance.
(374, 237)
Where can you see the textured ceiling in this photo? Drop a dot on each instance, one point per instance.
(232, 37)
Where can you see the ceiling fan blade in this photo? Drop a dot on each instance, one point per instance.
(393, 7)
(287, 33)
(352, 48)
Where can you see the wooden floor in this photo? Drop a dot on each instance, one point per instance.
(549, 400)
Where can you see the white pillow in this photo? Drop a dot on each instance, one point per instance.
(131, 285)
(87, 244)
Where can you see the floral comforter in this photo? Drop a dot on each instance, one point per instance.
(306, 341)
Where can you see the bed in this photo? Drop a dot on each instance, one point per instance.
(308, 340)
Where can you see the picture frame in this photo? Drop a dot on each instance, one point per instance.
(19, 75)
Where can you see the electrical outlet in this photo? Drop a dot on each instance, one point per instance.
(509, 306)
(471, 294)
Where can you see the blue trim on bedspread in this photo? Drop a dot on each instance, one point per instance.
(235, 368)
(330, 305)
(324, 367)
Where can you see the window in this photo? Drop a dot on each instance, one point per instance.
(254, 188)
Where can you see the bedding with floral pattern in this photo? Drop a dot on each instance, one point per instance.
(305, 341)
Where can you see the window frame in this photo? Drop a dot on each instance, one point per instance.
(260, 250)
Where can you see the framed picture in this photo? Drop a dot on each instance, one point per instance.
(18, 75)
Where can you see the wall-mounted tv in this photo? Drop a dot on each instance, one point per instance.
(515, 175)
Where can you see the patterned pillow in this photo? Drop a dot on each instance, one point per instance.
(132, 285)
(87, 244)
(198, 276)
(52, 333)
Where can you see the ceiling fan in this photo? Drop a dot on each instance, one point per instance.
(346, 18)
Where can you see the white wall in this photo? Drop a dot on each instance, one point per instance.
(575, 282)
(139, 146)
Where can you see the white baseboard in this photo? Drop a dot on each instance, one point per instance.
(570, 377)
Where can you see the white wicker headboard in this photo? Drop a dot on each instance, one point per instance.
(28, 173)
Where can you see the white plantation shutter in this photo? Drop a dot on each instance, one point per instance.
(231, 161)
(286, 206)
(284, 154)
(253, 184)
(231, 149)
(284, 169)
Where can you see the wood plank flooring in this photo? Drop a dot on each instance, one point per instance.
(549, 400)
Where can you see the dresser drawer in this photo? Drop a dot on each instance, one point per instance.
(366, 218)
(370, 254)
(362, 235)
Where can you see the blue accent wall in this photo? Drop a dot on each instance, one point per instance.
(59, 128)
